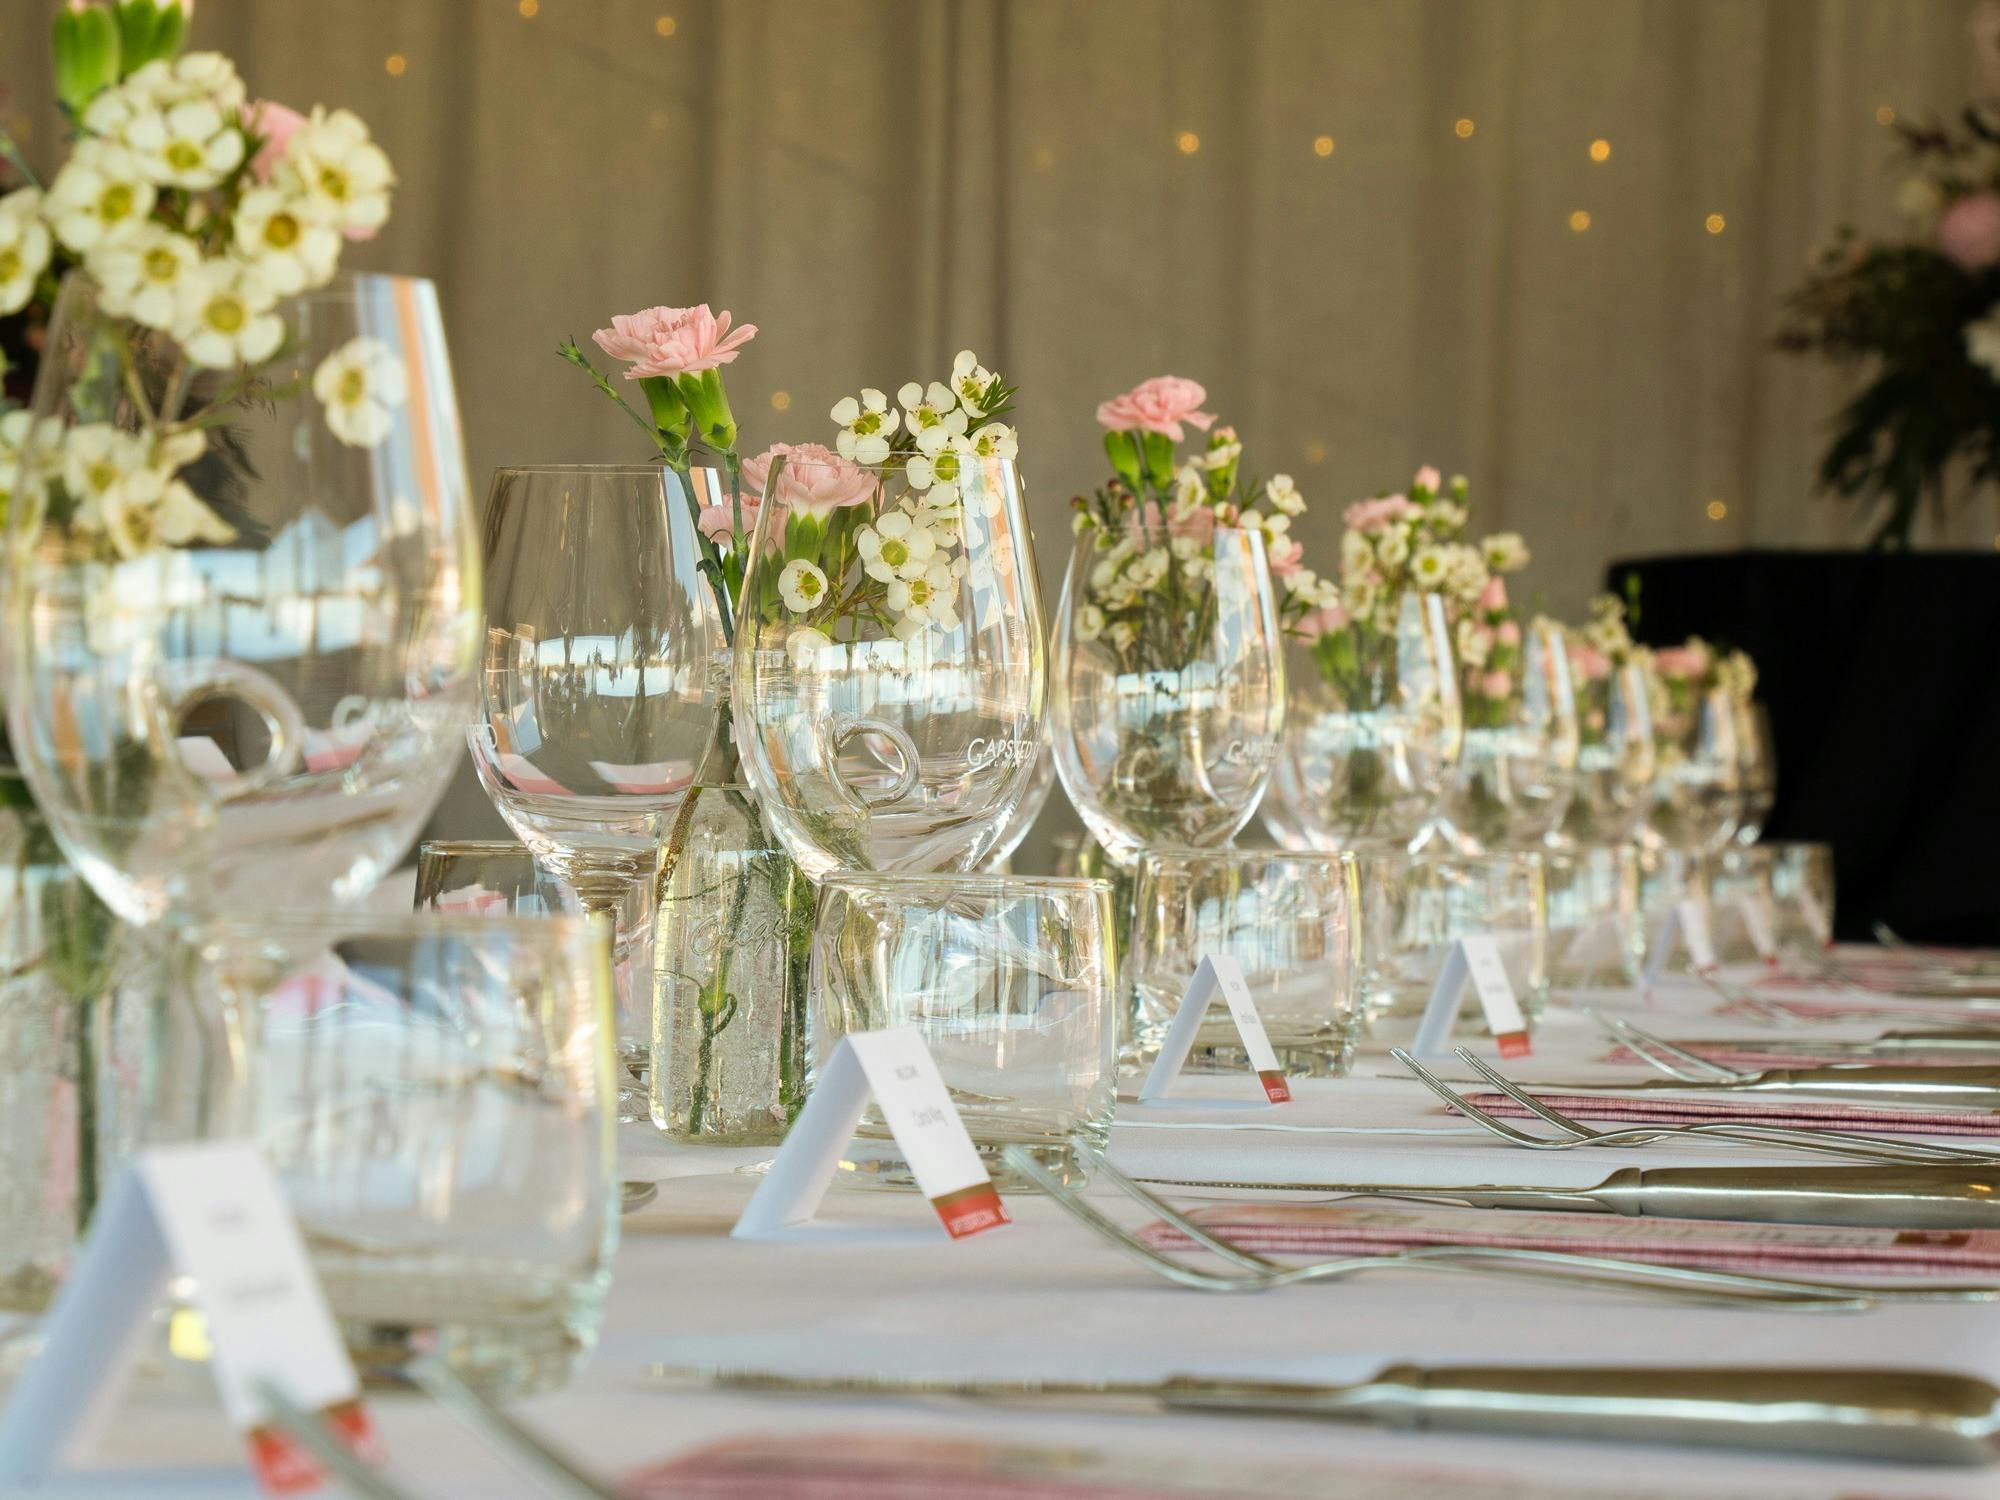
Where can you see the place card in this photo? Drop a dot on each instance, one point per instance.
(1476, 961)
(1757, 927)
(1815, 917)
(897, 1068)
(214, 1214)
(1217, 973)
(1685, 924)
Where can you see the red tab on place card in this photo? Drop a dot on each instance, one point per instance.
(971, 1210)
(282, 1467)
(1275, 1087)
(1514, 1044)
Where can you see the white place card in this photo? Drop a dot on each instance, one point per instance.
(1475, 961)
(213, 1213)
(1685, 925)
(1757, 927)
(1217, 973)
(1815, 917)
(897, 1068)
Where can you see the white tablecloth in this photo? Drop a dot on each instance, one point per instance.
(886, 1294)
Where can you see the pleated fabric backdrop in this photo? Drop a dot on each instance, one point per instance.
(1359, 222)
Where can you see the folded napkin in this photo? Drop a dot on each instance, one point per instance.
(1330, 1229)
(1660, 1109)
(1865, 1008)
(1751, 1057)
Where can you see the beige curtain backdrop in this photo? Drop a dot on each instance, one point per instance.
(1090, 193)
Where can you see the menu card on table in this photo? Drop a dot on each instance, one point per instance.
(1475, 961)
(1218, 973)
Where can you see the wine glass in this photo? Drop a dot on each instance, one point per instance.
(1699, 771)
(1028, 810)
(1516, 769)
(889, 661)
(1168, 701)
(1615, 755)
(606, 645)
(1756, 750)
(247, 693)
(1371, 728)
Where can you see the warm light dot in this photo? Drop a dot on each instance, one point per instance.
(781, 401)
(1714, 223)
(396, 63)
(1323, 145)
(1315, 451)
(1463, 129)
(1885, 114)
(1579, 220)
(1717, 510)
(530, 9)
(1600, 150)
(1189, 142)
(666, 25)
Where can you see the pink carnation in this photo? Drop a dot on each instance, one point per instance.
(1377, 515)
(1509, 634)
(1157, 405)
(1968, 233)
(672, 340)
(1496, 685)
(1683, 662)
(814, 481)
(1321, 622)
(276, 123)
(1427, 478)
(1197, 521)
(1588, 663)
(1493, 597)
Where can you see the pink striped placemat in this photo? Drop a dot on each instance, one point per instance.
(1749, 1056)
(1803, 1114)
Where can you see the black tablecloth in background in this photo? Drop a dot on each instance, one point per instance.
(1882, 676)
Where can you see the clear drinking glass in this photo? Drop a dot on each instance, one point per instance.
(1698, 773)
(1289, 920)
(1615, 755)
(1426, 903)
(1758, 754)
(1742, 908)
(1372, 728)
(193, 714)
(889, 662)
(1008, 977)
(1802, 890)
(1595, 941)
(1516, 769)
(1040, 783)
(1166, 736)
(436, 1096)
(486, 877)
(606, 664)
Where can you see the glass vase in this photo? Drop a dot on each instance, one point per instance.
(732, 957)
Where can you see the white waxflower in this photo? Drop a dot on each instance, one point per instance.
(1982, 341)
(801, 585)
(995, 440)
(30, 454)
(344, 172)
(1222, 455)
(225, 316)
(1393, 547)
(1190, 488)
(896, 546)
(1122, 634)
(208, 76)
(933, 416)
(99, 195)
(865, 427)
(1355, 553)
(361, 385)
(187, 145)
(969, 380)
(1362, 596)
(1284, 495)
(1505, 552)
(149, 508)
(1148, 568)
(1444, 517)
(931, 598)
(1185, 547)
(25, 247)
(941, 471)
(1089, 623)
(144, 274)
(1474, 643)
(804, 645)
(1429, 570)
(286, 238)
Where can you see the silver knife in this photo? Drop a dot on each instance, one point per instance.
(1889, 1082)
(1904, 1415)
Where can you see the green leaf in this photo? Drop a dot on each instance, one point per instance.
(1123, 452)
(86, 55)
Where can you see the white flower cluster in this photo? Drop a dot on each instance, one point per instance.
(1736, 675)
(935, 425)
(1607, 630)
(1394, 543)
(124, 487)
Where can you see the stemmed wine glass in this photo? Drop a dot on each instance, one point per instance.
(1517, 765)
(1165, 734)
(1697, 785)
(606, 648)
(1372, 727)
(1615, 756)
(1757, 752)
(254, 705)
(889, 666)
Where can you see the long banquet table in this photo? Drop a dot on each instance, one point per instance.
(874, 1288)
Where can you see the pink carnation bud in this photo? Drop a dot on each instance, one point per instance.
(1494, 596)
(276, 123)
(1158, 405)
(1496, 685)
(1968, 233)
(1509, 634)
(1427, 479)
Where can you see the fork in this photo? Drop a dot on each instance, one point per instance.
(1850, 1145)
(1260, 1274)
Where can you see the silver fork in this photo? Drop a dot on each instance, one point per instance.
(1260, 1274)
(1851, 1145)
(1676, 1062)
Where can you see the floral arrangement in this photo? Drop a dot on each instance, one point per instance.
(1408, 542)
(1923, 314)
(1598, 648)
(194, 211)
(1155, 521)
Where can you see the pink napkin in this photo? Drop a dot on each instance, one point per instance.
(1887, 1008)
(1827, 1115)
(1364, 1228)
(1750, 1057)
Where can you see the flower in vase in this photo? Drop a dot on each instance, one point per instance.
(801, 585)
(225, 316)
(1496, 685)
(1505, 552)
(99, 195)
(933, 416)
(96, 457)
(1587, 663)
(149, 508)
(273, 125)
(25, 247)
(1286, 554)
(1982, 341)
(361, 384)
(940, 473)
(969, 381)
(1968, 233)
(192, 144)
(1089, 623)
(31, 454)
(1493, 597)
(928, 599)
(344, 172)
(995, 440)
(1378, 514)
(672, 341)
(1324, 620)
(1475, 644)
(1682, 663)
(865, 426)
(1158, 405)
(284, 236)
(1507, 633)
(813, 480)
(1426, 480)
(1430, 569)
(718, 522)
(144, 274)
(898, 545)
(1284, 495)
(804, 645)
